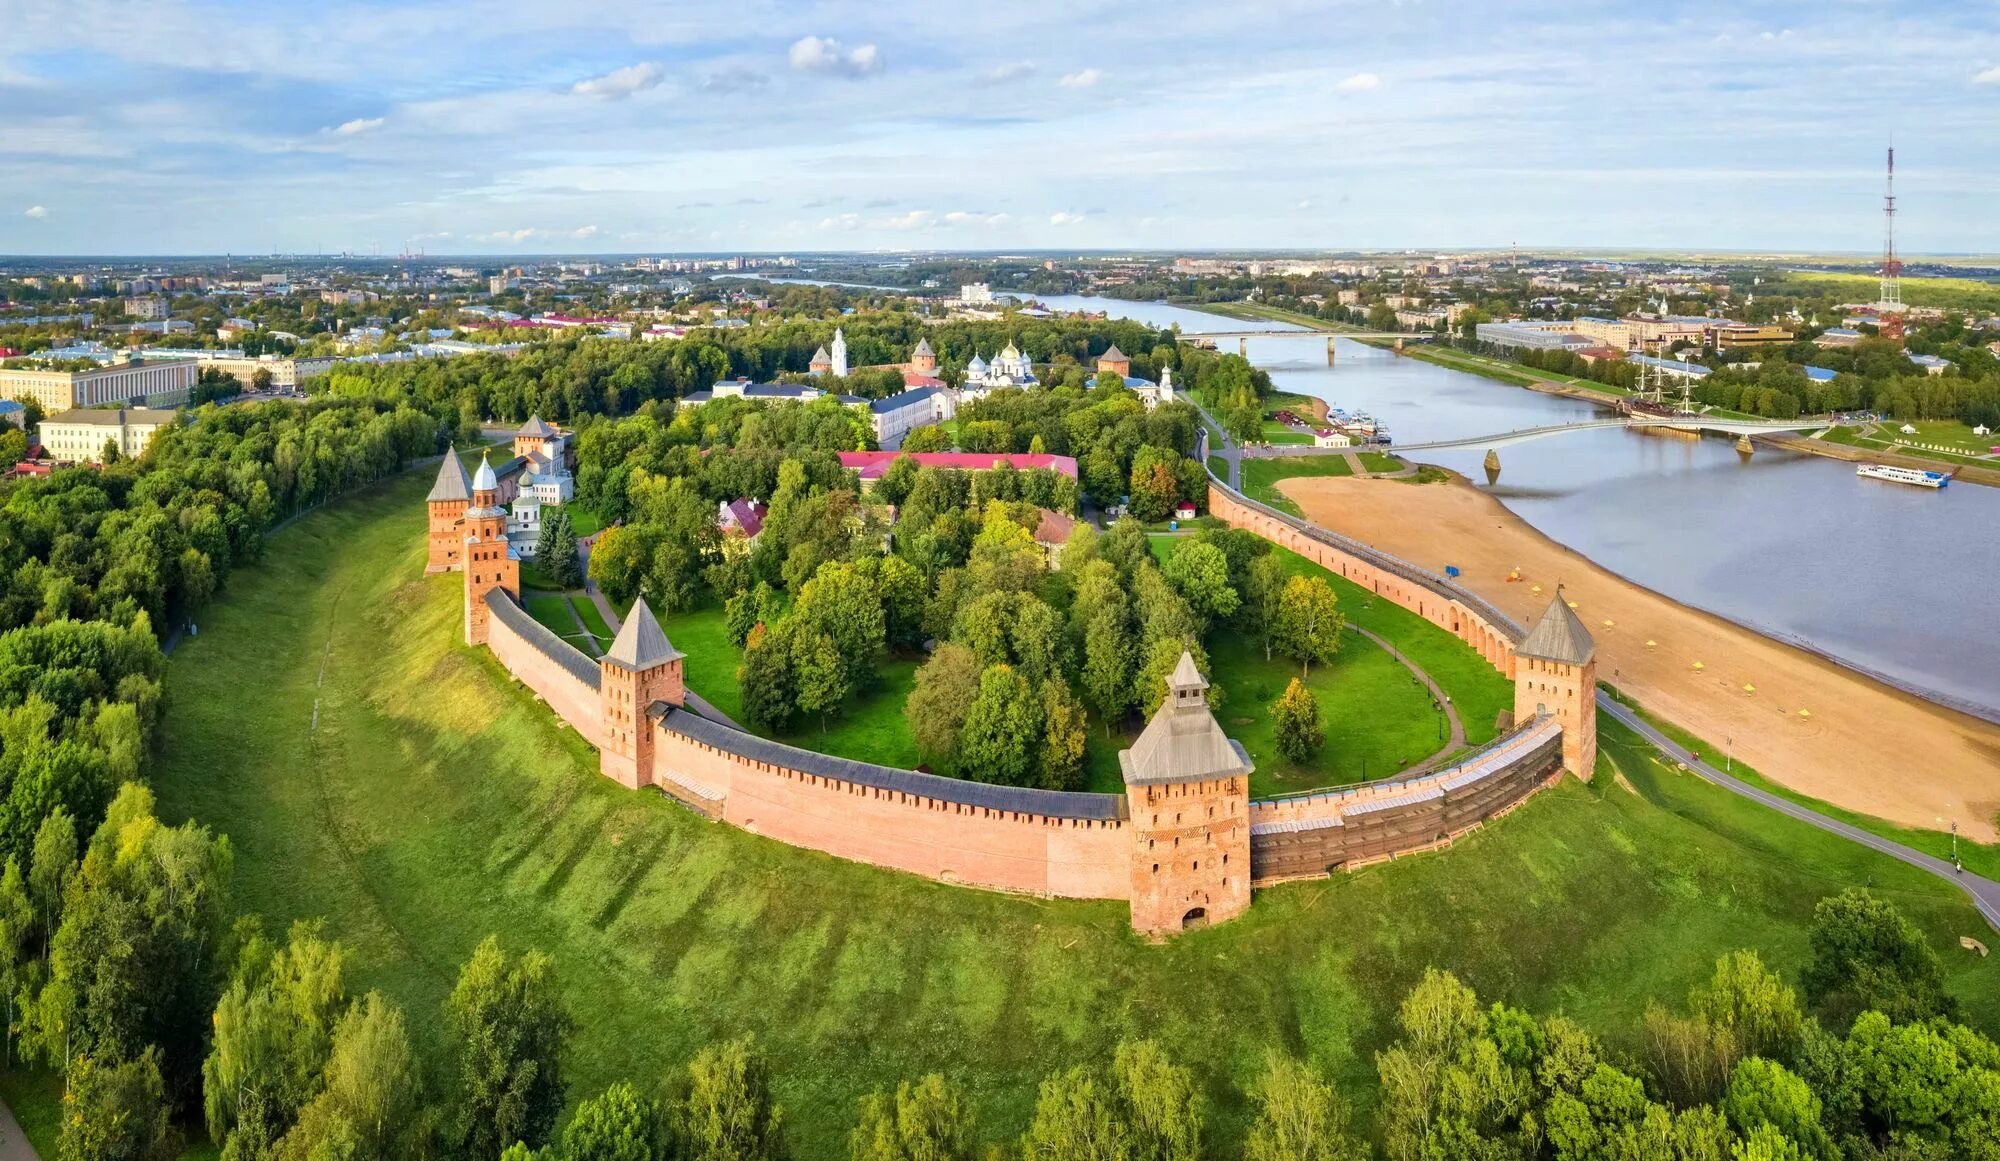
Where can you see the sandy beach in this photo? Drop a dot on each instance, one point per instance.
(1795, 717)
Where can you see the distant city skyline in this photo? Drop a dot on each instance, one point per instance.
(190, 127)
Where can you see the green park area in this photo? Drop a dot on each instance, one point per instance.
(1261, 476)
(1947, 441)
(1257, 311)
(332, 691)
(1950, 293)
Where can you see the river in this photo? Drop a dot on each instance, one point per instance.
(1893, 580)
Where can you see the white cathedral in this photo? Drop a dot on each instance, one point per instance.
(1009, 368)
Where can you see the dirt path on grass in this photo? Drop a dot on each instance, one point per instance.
(1807, 723)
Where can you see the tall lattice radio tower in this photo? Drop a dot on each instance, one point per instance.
(1889, 311)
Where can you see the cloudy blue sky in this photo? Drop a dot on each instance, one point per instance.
(474, 126)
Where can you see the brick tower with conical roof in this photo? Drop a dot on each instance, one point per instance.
(1188, 790)
(490, 562)
(641, 668)
(1555, 672)
(449, 497)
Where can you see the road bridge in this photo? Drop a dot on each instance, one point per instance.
(1525, 434)
(1243, 337)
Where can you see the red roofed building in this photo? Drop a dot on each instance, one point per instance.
(743, 518)
(871, 464)
(915, 379)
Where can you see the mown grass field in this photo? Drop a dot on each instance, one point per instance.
(1261, 476)
(670, 931)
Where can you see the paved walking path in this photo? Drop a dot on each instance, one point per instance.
(14, 1144)
(589, 638)
(1230, 453)
(1457, 740)
(1985, 892)
(695, 701)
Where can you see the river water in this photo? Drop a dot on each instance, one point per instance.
(1894, 580)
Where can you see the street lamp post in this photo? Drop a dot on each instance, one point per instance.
(1728, 753)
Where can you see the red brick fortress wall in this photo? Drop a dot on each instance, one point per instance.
(1457, 611)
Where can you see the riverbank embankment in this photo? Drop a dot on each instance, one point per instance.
(1802, 720)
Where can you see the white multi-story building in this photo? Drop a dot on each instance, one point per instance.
(137, 379)
(975, 293)
(147, 307)
(78, 436)
(898, 415)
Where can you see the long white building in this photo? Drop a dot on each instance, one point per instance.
(138, 380)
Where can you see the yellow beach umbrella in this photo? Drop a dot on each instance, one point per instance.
(1699, 665)
(1650, 644)
(1607, 622)
(1536, 589)
(1748, 688)
(1805, 713)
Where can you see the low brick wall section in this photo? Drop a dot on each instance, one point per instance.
(1450, 607)
(1039, 842)
(545, 663)
(1316, 833)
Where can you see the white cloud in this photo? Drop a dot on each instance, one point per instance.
(914, 220)
(973, 218)
(1304, 204)
(822, 54)
(619, 84)
(1082, 79)
(1781, 34)
(1064, 218)
(1013, 70)
(1988, 77)
(841, 222)
(1358, 83)
(357, 126)
(36, 212)
(533, 232)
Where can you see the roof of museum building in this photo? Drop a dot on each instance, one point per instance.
(923, 348)
(641, 643)
(1183, 742)
(1013, 799)
(897, 402)
(536, 427)
(871, 464)
(1114, 354)
(1558, 636)
(451, 482)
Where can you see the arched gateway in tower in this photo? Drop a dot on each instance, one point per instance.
(1188, 787)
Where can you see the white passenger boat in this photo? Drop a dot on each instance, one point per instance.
(1917, 476)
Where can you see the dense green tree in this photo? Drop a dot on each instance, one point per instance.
(510, 1032)
(1064, 725)
(116, 1110)
(1003, 728)
(770, 687)
(946, 687)
(272, 1033)
(1107, 663)
(930, 1120)
(616, 1125)
(372, 1101)
(1309, 624)
(843, 604)
(1296, 719)
(1263, 593)
(1299, 1117)
(929, 438)
(1763, 1093)
(724, 1110)
(1867, 955)
(556, 551)
(1076, 1119)
(820, 677)
(1199, 572)
(133, 963)
(1163, 1110)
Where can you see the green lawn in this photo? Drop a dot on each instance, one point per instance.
(582, 520)
(1292, 401)
(670, 931)
(1260, 476)
(592, 619)
(1381, 462)
(1955, 434)
(1506, 370)
(552, 610)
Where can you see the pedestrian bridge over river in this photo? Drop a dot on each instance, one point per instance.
(1523, 435)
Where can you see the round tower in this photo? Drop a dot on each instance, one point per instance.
(489, 560)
